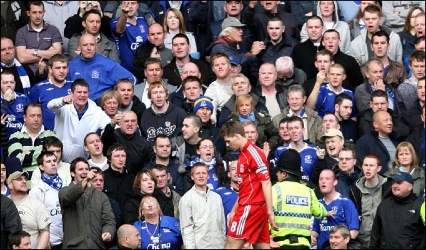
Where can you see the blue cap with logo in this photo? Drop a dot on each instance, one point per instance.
(402, 176)
(203, 101)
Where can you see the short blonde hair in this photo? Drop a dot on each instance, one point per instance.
(154, 85)
(243, 98)
(410, 147)
(109, 94)
(141, 216)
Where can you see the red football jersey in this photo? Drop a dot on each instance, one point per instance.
(252, 169)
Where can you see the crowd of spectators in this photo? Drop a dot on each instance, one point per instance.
(111, 117)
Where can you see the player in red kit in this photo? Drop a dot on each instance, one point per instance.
(248, 220)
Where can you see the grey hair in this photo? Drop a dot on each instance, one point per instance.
(284, 63)
(343, 229)
(226, 32)
(241, 75)
(296, 88)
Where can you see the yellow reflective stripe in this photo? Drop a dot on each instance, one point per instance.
(279, 197)
(293, 225)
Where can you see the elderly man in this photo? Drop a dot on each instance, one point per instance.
(100, 72)
(230, 36)
(233, 9)
(272, 94)
(287, 73)
(374, 80)
(390, 221)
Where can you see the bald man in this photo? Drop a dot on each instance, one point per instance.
(99, 71)
(128, 237)
(381, 141)
(128, 135)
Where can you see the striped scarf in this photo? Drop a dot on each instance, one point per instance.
(25, 80)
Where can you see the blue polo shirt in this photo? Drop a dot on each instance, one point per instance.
(130, 40)
(326, 97)
(15, 113)
(345, 213)
(308, 155)
(167, 234)
(43, 93)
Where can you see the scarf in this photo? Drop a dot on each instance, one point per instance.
(391, 95)
(25, 80)
(249, 117)
(213, 181)
(53, 181)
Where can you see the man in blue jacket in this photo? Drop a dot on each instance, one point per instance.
(100, 72)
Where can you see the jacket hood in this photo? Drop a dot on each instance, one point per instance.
(361, 183)
(335, 13)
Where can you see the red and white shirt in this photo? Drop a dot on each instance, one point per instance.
(252, 170)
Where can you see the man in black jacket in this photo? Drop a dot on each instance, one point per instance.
(181, 49)
(127, 99)
(398, 223)
(381, 142)
(128, 135)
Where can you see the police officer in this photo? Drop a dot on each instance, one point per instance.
(294, 205)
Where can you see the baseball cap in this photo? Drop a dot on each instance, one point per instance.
(234, 60)
(12, 164)
(331, 132)
(402, 176)
(231, 22)
(203, 101)
(15, 175)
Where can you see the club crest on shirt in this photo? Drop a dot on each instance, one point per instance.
(308, 159)
(241, 168)
(20, 108)
(95, 74)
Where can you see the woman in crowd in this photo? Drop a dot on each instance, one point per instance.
(174, 24)
(406, 160)
(144, 52)
(408, 34)
(206, 154)
(245, 111)
(145, 183)
(109, 103)
(157, 230)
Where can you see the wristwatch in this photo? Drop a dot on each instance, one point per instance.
(35, 52)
